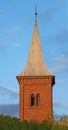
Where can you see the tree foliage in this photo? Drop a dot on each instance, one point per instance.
(8, 123)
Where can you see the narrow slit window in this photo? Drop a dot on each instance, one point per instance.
(38, 100)
(32, 100)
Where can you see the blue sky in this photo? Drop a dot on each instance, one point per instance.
(16, 29)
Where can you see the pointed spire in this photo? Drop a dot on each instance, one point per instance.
(35, 65)
(35, 14)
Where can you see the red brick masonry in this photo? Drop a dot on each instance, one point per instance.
(41, 85)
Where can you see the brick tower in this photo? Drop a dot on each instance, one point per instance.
(35, 83)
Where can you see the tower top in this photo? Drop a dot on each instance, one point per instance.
(35, 14)
(35, 65)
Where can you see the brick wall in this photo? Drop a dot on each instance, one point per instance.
(41, 85)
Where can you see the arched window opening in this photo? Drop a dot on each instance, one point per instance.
(32, 100)
(38, 100)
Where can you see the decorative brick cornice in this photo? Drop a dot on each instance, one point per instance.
(40, 79)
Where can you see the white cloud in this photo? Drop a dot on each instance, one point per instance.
(16, 45)
(8, 95)
(13, 30)
(59, 81)
(57, 68)
(60, 64)
(62, 59)
(60, 104)
(10, 89)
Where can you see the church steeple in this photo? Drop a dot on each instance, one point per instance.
(35, 64)
(36, 83)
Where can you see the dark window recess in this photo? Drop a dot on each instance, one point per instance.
(38, 100)
(32, 100)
